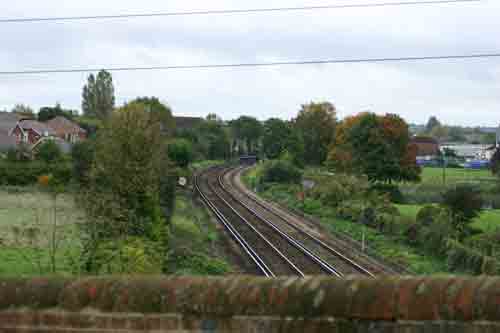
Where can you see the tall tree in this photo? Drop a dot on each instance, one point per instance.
(316, 124)
(248, 130)
(98, 97)
(431, 124)
(276, 137)
(376, 146)
(159, 111)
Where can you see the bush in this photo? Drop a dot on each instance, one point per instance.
(82, 155)
(334, 190)
(280, 171)
(49, 152)
(27, 173)
(180, 152)
(465, 202)
(428, 214)
(460, 257)
(392, 191)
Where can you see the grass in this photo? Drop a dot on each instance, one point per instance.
(391, 248)
(194, 245)
(26, 224)
(434, 176)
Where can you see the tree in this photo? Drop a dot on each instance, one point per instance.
(82, 155)
(431, 124)
(98, 98)
(495, 162)
(24, 110)
(316, 124)
(180, 151)
(49, 152)
(160, 111)
(131, 187)
(376, 146)
(276, 137)
(247, 130)
(464, 202)
(47, 113)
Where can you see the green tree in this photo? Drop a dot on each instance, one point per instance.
(376, 146)
(131, 188)
(49, 152)
(160, 111)
(249, 131)
(316, 124)
(276, 137)
(82, 154)
(98, 98)
(48, 113)
(432, 123)
(24, 110)
(464, 202)
(180, 151)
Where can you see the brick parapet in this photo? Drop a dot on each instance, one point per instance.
(386, 304)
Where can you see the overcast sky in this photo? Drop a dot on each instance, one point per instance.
(465, 92)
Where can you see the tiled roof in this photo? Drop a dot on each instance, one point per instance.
(61, 125)
(37, 126)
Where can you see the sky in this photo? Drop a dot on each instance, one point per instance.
(458, 92)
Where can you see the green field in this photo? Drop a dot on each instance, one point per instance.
(434, 176)
(26, 225)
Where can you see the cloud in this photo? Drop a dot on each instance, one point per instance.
(460, 92)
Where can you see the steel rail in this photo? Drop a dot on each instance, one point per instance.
(258, 261)
(308, 253)
(305, 233)
(259, 234)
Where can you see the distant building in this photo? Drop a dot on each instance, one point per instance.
(8, 121)
(31, 131)
(427, 147)
(67, 130)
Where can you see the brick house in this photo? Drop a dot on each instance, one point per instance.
(426, 146)
(67, 130)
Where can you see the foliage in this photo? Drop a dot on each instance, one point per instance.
(249, 131)
(462, 257)
(49, 152)
(27, 173)
(391, 190)
(211, 139)
(428, 215)
(160, 112)
(280, 171)
(180, 151)
(82, 156)
(24, 110)
(316, 124)
(47, 113)
(131, 185)
(98, 98)
(90, 124)
(336, 190)
(495, 163)
(464, 202)
(432, 123)
(275, 138)
(376, 146)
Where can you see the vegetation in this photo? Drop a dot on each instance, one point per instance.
(98, 97)
(49, 152)
(247, 132)
(180, 151)
(47, 113)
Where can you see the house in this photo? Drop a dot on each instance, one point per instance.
(8, 121)
(31, 131)
(427, 147)
(67, 130)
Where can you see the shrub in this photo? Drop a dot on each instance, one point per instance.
(49, 152)
(465, 202)
(82, 155)
(428, 214)
(180, 152)
(392, 191)
(280, 171)
(333, 190)
(27, 173)
(460, 257)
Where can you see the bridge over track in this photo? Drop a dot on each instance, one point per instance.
(250, 304)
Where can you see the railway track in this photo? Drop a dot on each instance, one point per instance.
(275, 246)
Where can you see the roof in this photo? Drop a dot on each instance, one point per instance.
(62, 125)
(8, 121)
(424, 139)
(6, 142)
(37, 126)
(183, 123)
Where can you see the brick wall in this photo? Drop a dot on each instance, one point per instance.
(250, 304)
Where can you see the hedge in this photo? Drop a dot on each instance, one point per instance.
(27, 173)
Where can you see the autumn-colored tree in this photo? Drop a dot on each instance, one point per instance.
(316, 124)
(376, 146)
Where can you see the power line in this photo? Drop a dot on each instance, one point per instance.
(231, 11)
(255, 64)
